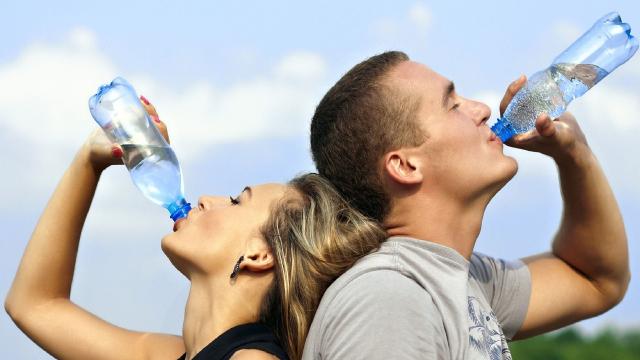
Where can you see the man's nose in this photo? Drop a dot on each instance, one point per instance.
(481, 112)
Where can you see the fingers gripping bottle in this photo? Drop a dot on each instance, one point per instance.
(607, 45)
(150, 160)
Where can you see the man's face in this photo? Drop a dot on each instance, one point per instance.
(460, 155)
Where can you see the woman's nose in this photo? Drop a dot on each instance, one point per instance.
(210, 202)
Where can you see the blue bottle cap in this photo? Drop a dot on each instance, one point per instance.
(180, 209)
(503, 129)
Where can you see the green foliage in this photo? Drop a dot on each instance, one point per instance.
(570, 343)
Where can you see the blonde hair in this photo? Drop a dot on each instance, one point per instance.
(315, 236)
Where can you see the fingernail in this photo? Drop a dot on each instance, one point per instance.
(155, 118)
(144, 100)
(116, 152)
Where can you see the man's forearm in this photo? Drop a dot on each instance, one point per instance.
(592, 237)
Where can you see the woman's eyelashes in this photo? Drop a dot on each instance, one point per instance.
(234, 201)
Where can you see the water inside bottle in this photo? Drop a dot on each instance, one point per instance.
(155, 171)
(574, 80)
(550, 92)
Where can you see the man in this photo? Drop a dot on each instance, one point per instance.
(406, 149)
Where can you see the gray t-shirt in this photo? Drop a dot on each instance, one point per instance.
(414, 299)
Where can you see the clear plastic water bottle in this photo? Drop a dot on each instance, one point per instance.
(152, 163)
(607, 45)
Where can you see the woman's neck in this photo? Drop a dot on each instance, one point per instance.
(211, 310)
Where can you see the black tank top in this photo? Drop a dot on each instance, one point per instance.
(246, 336)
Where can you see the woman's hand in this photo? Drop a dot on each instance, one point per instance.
(102, 153)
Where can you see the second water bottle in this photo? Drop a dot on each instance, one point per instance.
(607, 45)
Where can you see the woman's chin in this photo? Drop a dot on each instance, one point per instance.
(170, 251)
(165, 245)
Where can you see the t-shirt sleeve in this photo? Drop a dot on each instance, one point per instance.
(507, 285)
(382, 315)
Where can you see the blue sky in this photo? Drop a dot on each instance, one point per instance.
(237, 83)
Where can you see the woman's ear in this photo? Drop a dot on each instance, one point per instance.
(258, 256)
(402, 167)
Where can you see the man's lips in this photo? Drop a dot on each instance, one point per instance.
(494, 138)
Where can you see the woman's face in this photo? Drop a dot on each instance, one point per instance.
(220, 230)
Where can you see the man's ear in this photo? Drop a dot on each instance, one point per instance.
(258, 256)
(403, 167)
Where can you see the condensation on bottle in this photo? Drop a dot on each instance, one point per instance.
(599, 51)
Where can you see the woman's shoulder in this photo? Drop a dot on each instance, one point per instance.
(154, 345)
(252, 354)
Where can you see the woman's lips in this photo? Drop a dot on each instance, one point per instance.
(176, 224)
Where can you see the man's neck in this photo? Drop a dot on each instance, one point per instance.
(439, 220)
(210, 311)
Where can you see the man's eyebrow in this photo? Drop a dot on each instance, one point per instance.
(450, 89)
(249, 190)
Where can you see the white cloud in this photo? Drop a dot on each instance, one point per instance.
(609, 117)
(386, 29)
(83, 38)
(44, 111)
(44, 94)
(565, 32)
(633, 66)
(412, 26)
(420, 16)
(301, 66)
(50, 86)
(278, 104)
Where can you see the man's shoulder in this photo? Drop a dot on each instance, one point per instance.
(380, 285)
(375, 273)
(375, 309)
(373, 284)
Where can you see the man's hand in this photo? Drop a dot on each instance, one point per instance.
(561, 138)
(588, 266)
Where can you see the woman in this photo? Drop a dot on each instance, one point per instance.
(258, 265)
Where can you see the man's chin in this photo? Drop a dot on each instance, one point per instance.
(514, 168)
(509, 170)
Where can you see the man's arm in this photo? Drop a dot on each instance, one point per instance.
(587, 271)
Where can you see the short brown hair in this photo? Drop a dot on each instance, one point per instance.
(356, 123)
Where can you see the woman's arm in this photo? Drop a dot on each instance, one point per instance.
(38, 301)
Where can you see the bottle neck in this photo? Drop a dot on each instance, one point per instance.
(179, 209)
(503, 129)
